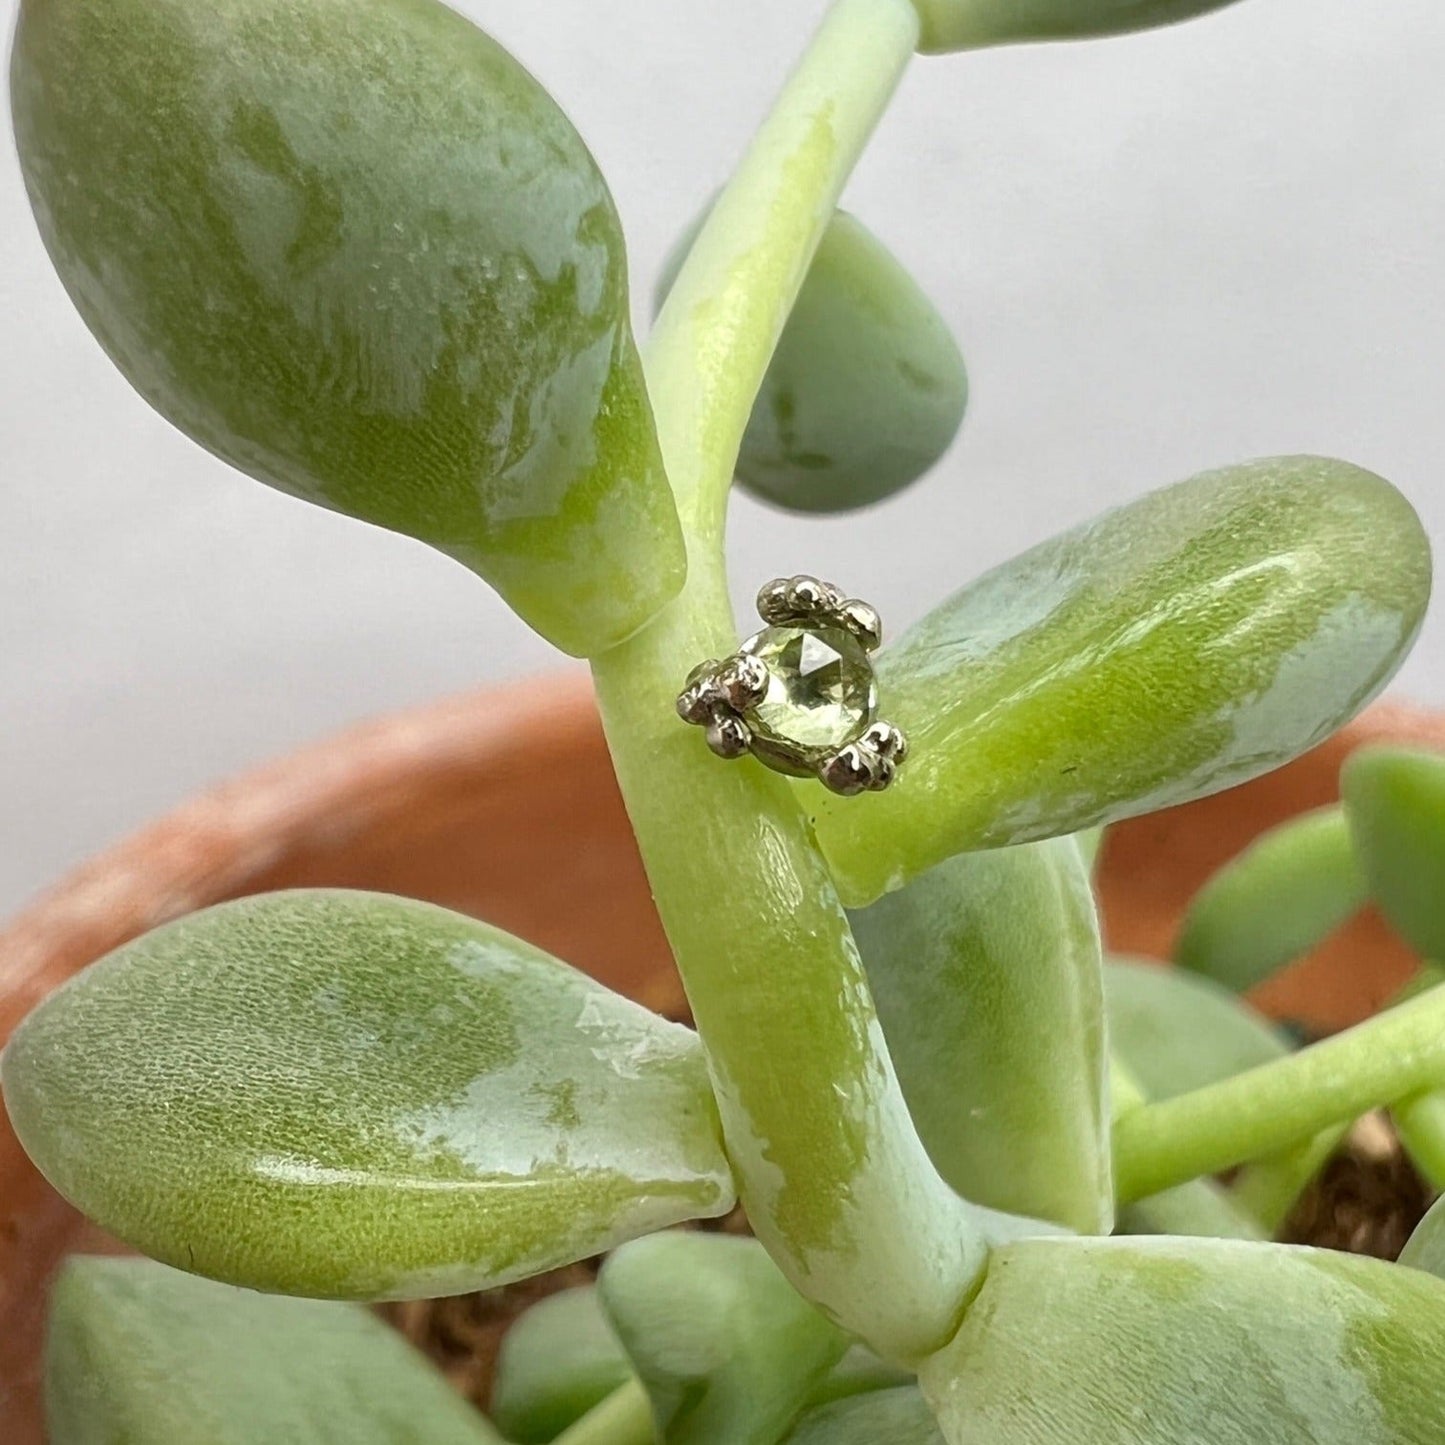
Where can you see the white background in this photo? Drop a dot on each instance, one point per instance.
(1161, 253)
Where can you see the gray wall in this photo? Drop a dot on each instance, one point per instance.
(1160, 253)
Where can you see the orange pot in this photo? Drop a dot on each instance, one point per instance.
(503, 805)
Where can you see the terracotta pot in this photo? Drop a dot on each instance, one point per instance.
(504, 805)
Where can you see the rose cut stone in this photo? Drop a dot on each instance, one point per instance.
(821, 691)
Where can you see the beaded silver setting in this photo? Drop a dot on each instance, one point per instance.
(801, 695)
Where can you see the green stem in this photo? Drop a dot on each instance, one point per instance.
(1270, 1187)
(623, 1418)
(1198, 1207)
(1394, 1056)
(836, 1183)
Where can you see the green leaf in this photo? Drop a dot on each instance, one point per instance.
(1425, 1248)
(866, 390)
(138, 1354)
(1395, 801)
(986, 974)
(1284, 895)
(886, 1417)
(560, 1358)
(1200, 1208)
(355, 1096)
(355, 250)
(1420, 1121)
(1177, 1032)
(1177, 646)
(973, 24)
(1178, 1342)
(729, 1352)
(859, 1372)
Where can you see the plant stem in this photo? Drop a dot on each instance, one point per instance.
(1394, 1056)
(1198, 1207)
(836, 1184)
(623, 1418)
(1270, 1187)
(720, 325)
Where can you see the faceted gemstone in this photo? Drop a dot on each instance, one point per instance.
(821, 693)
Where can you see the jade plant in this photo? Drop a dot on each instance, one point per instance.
(353, 248)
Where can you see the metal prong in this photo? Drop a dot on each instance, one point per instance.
(847, 772)
(743, 681)
(728, 736)
(863, 622)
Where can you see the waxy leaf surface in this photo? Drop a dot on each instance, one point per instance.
(1179, 1342)
(1177, 1032)
(727, 1349)
(866, 390)
(355, 1096)
(1395, 802)
(139, 1354)
(1169, 649)
(354, 249)
(986, 974)
(1279, 899)
(885, 1417)
(1425, 1249)
(556, 1362)
(972, 24)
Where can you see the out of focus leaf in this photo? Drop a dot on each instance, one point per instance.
(866, 389)
(986, 974)
(1280, 898)
(1167, 650)
(355, 1096)
(1178, 1032)
(1181, 1342)
(556, 1362)
(885, 1417)
(1425, 1248)
(1395, 801)
(728, 1351)
(139, 1354)
(972, 24)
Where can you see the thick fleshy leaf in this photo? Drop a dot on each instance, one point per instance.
(1425, 1248)
(1420, 1121)
(351, 1095)
(354, 249)
(1177, 646)
(1395, 801)
(1177, 1342)
(139, 1354)
(885, 1417)
(866, 390)
(973, 24)
(986, 974)
(556, 1362)
(727, 1349)
(562, 1359)
(1281, 897)
(1177, 1032)
(1201, 1208)
(859, 1372)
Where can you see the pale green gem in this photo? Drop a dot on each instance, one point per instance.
(821, 690)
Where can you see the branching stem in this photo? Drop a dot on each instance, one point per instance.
(836, 1183)
(1394, 1056)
